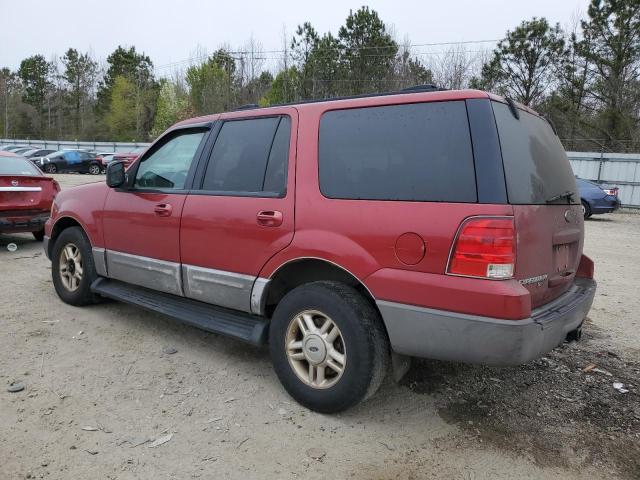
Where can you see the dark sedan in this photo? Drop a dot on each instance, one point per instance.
(79, 161)
(595, 199)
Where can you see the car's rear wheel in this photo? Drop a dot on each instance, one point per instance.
(72, 267)
(94, 169)
(328, 346)
(39, 235)
(586, 210)
(50, 168)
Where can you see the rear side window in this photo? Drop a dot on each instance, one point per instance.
(536, 166)
(250, 156)
(415, 152)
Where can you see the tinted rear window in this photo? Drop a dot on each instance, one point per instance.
(414, 152)
(535, 164)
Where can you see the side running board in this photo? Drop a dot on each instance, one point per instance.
(243, 326)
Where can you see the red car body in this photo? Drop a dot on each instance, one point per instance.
(402, 254)
(26, 196)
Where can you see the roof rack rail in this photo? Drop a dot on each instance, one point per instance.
(248, 106)
(427, 87)
(414, 89)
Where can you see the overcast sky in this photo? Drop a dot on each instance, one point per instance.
(170, 30)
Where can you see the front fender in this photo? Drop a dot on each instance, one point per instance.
(84, 205)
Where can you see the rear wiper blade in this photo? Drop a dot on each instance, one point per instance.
(568, 195)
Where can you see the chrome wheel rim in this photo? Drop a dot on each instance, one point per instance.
(70, 267)
(94, 169)
(315, 349)
(584, 209)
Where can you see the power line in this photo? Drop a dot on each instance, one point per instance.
(335, 49)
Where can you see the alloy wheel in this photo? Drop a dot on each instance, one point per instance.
(315, 349)
(70, 267)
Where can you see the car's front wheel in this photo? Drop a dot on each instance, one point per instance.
(50, 168)
(328, 346)
(72, 267)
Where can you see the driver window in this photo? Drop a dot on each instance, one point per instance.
(167, 165)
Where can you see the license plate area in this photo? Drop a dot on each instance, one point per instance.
(561, 257)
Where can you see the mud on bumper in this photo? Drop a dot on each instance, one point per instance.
(443, 335)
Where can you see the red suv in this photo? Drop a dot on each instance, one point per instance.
(347, 234)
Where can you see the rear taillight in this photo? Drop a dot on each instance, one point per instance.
(611, 191)
(484, 247)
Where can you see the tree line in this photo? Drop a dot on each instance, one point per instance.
(585, 78)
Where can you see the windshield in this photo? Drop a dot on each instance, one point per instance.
(17, 166)
(536, 167)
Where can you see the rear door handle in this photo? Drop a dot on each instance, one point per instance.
(163, 209)
(269, 218)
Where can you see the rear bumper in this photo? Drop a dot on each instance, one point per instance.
(23, 223)
(444, 335)
(607, 204)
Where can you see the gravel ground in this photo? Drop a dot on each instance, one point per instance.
(100, 390)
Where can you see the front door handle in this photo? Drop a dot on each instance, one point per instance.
(270, 218)
(163, 209)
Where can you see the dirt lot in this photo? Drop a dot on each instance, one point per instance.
(99, 390)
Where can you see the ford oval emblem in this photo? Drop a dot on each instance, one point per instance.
(14, 183)
(570, 216)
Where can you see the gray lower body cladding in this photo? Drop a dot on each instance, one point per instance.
(443, 335)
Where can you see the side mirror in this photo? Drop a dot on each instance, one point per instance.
(116, 175)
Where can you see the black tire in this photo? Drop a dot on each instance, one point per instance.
(95, 169)
(39, 235)
(51, 168)
(82, 294)
(586, 209)
(366, 345)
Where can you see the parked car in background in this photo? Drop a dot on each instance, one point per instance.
(22, 151)
(37, 152)
(79, 161)
(338, 232)
(129, 157)
(13, 148)
(103, 157)
(26, 196)
(596, 199)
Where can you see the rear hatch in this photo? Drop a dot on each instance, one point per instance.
(542, 189)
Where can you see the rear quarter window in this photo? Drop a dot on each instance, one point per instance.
(536, 166)
(411, 152)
